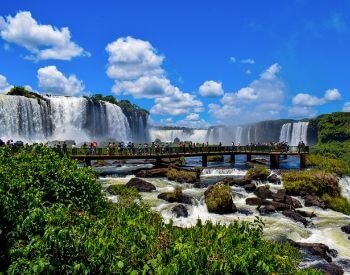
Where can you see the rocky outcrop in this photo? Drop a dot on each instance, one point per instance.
(346, 229)
(141, 185)
(295, 216)
(250, 187)
(253, 201)
(273, 178)
(328, 268)
(218, 199)
(268, 209)
(306, 214)
(180, 211)
(314, 201)
(263, 192)
(176, 197)
(316, 249)
(152, 173)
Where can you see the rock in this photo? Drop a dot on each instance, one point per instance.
(273, 178)
(250, 187)
(253, 201)
(346, 229)
(246, 212)
(306, 214)
(268, 209)
(258, 172)
(314, 201)
(218, 199)
(152, 173)
(279, 206)
(294, 203)
(318, 249)
(238, 182)
(280, 195)
(173, 197)
(180, 211)
(141, 185)
(329, 268)
(100, 163)
(263, 192)
(295, 216)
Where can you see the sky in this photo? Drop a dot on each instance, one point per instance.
(190, 63)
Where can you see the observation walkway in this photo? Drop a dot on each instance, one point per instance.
(275, 154)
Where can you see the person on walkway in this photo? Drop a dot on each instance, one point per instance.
(64, 148)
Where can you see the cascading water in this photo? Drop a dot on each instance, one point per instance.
(293, 133)
(61, 118)
(197, 136)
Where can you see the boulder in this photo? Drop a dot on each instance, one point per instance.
(174, 197)
(295, 216)
(218, 199)
(279, 196)
(250, 187)
(180, 211)
(279, 206)
(152, 173)
(314, 201)
(328, 268)
(258, 172)
(253, 201)
(294, 203)
(141, 185)
(346, 229)
(306, 214)
(268, 209)
(263, 192)
(273, 178)
(238, 182)
(317, 249)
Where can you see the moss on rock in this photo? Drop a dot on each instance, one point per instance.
(218, 199)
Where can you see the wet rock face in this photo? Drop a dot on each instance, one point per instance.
(218, 199)
(314, 201)
(253, 201)
(346, 229)
(295, 216)
(306, 214)
(273, 178)
(180, 211)
(329, 268)
(173, 197)
(250, 187)
(263, 192)
(141, 185)
(268, 209)
(152, 173)
(316, 249)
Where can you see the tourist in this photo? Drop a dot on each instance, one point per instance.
(64, 148)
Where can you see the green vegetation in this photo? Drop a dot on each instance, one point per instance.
(22, 91)
(217, 158)
(328, 164)
(334, 149)
(123, 191)
(182, 175)
(333, 127)
(54, 219)
(258, 172)
(218, 199)
(180, 161)
(339, 204)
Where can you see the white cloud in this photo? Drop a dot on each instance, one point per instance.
(233, 59)
(192, 117)
(332, 95)
(211, 88)
(248, 71)
(261, 99)
(304, 99)
(4, 85)
(43, 41)
(248, 61)
(136, 68)
(302, 111)
(346, 107)
(53, 81)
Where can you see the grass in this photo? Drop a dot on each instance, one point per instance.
(258, 172)
(182, 175)
(339, 204)
(122, 190)
(328, 164)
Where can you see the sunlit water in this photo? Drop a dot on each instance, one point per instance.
(325, 228)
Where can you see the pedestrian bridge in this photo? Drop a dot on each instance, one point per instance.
(275, 154)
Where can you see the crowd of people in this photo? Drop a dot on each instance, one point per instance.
(131, 148)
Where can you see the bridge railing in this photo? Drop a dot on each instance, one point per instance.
(175, 150)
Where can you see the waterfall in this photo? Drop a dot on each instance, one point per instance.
(61, 118)
(168, 135)
(294, 132)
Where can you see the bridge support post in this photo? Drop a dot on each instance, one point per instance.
(87, 161)
(204, 160)
(285, 156)
(232, 158)
(274, 161)
(158, 162)
(249, 157)
(302, 160)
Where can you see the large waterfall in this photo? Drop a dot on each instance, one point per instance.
(168, 135)
(294, 132)
(65, 118)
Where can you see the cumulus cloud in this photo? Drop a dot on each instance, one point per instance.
(211, 88)
(346, 107)
(136, 68)
(233, 59)
(42, 41)
(261, 99)
(248, 61)
(302, 111)
(304, 99)
(4, 85)
(52, 81)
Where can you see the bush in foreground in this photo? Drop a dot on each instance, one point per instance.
(54, 219)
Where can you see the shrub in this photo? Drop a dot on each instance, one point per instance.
(182, 175)
(124, 191)
(339, 204)
(258, 172)
(328, 164)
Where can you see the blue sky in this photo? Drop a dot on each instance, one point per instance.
(190, 64)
